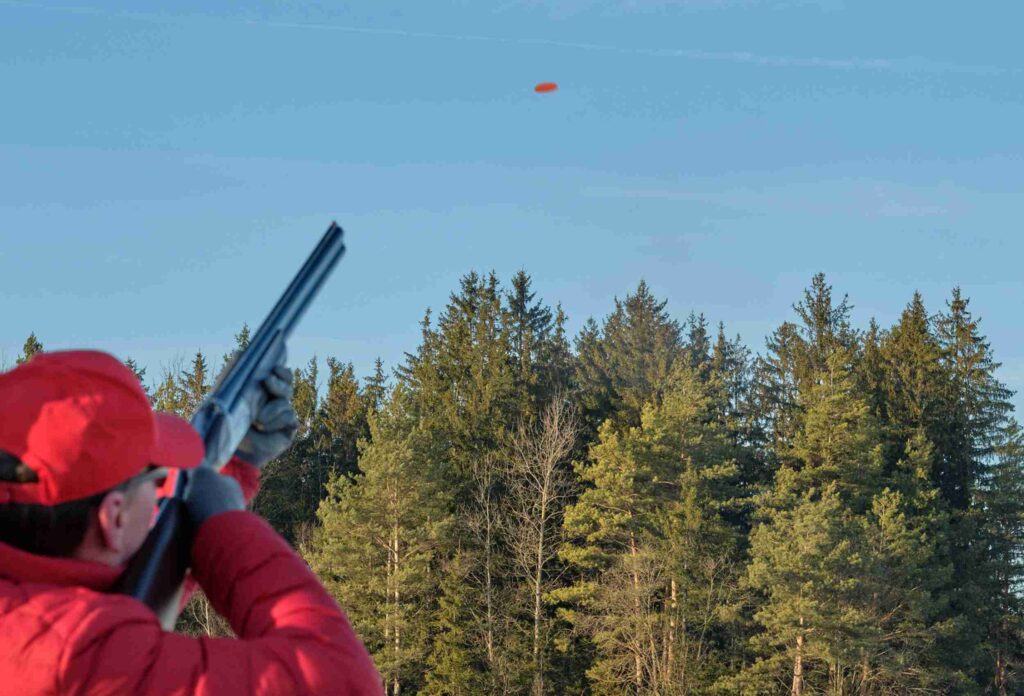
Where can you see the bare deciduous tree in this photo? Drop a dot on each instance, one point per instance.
(539, 480)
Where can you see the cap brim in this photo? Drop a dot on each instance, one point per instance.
(177, 443)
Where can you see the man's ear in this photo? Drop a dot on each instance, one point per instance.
(112, 522)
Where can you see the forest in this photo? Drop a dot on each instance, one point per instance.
(651, 507)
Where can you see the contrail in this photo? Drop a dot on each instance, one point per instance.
(883, 64)
(732, 56)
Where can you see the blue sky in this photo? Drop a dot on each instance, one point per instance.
(165, 167)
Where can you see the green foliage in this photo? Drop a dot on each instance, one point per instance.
(657, 560)
(194, 385)
(31, 347)
(841, 514)
(379, 535)
(624, 365)
(454, 665)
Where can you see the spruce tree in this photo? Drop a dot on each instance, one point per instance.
(31, 347)
(697, 346)
(140, 374)
(627, 363)
(460, 379)
(284, 499)
(194, 385)
(168, 395)
(656, 559)
(453, 667)
(376, 387)
(1002, 498)
(913, 387)
(377, 541)
(976, 405)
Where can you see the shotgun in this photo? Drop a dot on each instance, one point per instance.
(156, 574)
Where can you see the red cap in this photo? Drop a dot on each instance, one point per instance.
(81, 421)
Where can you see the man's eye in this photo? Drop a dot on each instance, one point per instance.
(161, 481)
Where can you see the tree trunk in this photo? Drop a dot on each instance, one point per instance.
(671, 642)
(798, 665)
(637, 665)
(538, 658)
(388, 580)
(489, 590)
(398, 643)
(1000, 676)
(865, 675)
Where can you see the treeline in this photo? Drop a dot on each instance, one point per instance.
(652, 509)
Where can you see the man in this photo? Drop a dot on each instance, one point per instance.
(81, 455)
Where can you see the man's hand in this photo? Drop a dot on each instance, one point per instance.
(274, 427)
(208, 494)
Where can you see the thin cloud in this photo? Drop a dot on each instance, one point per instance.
(743, 57)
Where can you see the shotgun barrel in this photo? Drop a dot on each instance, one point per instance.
(155, 575)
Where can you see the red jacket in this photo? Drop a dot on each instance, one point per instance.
(61, 634)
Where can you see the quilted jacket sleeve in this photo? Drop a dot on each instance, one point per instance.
(292, 636)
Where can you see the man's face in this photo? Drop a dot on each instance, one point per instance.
(139, 504)
(123, 520)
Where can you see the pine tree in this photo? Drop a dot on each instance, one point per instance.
(376, 388)
(632, 538)
(776, 395)
(140, 374)
(460, 378)
(810, 544)
(1002, 498)
(975, 406)
(194, 385)
(284, 499)
(31, 347)
(241, 343)
(340, 422)
(168, 396)
(802, 560)
(698, 345)
(626, 364)
(453, 667)
(913, 385)
(306, 396)
(379, 535)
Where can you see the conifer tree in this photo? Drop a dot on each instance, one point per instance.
(913, 385)
(378, 537)
(1002, 498)
(697, 347)
(528, 325)
(194, 385)
(975, 406)
(627, 363)
(341, 417)
(283, 499)
(796, 354)
(31, 347)
(168, 394)
(460, 377)
(241, 343)
(632, 539)
(776, 394)
(140, 374)
(453, 667)
(306, 396)
(376, 388)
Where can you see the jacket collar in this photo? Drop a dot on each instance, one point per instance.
(23, 567)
